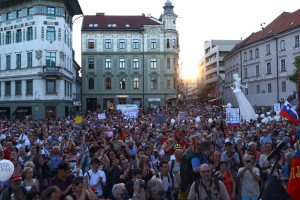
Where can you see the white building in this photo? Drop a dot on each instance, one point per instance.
(38, 77)
(264, 61)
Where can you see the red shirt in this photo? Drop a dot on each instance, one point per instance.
(227, 182)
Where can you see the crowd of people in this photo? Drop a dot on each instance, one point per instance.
(154, 156)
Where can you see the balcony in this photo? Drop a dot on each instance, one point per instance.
(52, 71)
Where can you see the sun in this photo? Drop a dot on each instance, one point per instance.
(189, 72)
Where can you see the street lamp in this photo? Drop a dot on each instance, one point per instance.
(143, 67)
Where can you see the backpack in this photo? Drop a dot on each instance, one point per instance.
(187, 174)
(197, 183)
(10, 191)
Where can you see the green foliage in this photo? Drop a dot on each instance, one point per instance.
(294, 77)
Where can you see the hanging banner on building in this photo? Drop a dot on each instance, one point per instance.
(233, 116)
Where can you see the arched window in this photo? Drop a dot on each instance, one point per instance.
(122, 84)
(91, 84)
(153, 83)
(108, 83)
(136, 83)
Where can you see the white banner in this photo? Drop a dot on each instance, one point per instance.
(232, 116)
(101, 116)
(130, 113)
(277, 107)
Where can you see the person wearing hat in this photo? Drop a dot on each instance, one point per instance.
(203, 149)
(15, 189)
(231, 158)
(63, 180)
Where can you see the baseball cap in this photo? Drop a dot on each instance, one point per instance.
(227, 141)
(63, 166)
(16, 176)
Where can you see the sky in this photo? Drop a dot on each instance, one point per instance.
(198, 21)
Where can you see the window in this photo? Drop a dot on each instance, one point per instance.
(153, 63)
(257, 89)
(91, 63)
(18, 88)
(269, 88)
(283, 86)
(297, 41)
(282, 65)
(256, 53)
(51, 11)
(153, 44)
(19, 13)
(108, 83)
(250, 55)
(122, 63)
(246, 91)
(168, 43)
(245, 72)
(29, 59)
(50, 59)
(108, 44)
(8, 16)
(268, 49)
(50, 86)
(135, 43)
(245, 56)
(7, 88)
(8, 37)
(30, 11)
(257, 70)
(18, 36)
(107, 63)
(136, 83)
(282, 45)
(269, 68)
(29, 34)
(29, 87)
(153, 83)
(91, 44)
(168, 84)
(168, 63)
(122, 84)
(91, 84)
(8, 61)
(135, 63)
(18, 61)
(174, 43)
(122, 44)
(50, 33)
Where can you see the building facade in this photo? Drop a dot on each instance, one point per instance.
(264, 61)
(212, 64)
(129, 60)
(38, 78)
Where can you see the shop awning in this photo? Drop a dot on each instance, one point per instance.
(22, 111)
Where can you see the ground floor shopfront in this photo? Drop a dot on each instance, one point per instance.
(36, 109)
(105, 102)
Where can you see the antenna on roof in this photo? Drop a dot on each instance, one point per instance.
(262, 25)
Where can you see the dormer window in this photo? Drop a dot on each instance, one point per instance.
(111, 25)
(127, 25)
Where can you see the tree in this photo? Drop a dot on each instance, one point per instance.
(294, 77)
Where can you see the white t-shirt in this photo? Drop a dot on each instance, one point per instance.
(93, 179)
(250, 186)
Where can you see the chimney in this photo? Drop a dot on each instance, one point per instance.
(143, 14)
(100, 13)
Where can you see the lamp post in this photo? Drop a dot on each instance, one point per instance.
(143, 67)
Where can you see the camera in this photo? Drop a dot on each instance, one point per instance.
(141, 183)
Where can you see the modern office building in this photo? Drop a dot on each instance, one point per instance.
(129, 60)
(264, 61)
(38, 78)
(212, 64)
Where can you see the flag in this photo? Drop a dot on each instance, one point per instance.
(289, 112)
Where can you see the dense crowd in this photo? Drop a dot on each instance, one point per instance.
(155, 156)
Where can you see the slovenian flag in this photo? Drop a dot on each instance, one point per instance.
(289, 112)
